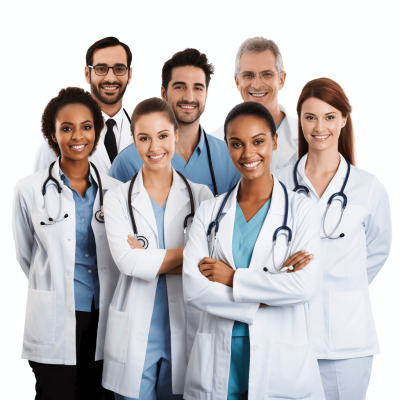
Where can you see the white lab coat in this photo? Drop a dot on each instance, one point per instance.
(46, 254)
(283, 364)
(342, 324)
(286, 153)
(132, 305)
(45, 155)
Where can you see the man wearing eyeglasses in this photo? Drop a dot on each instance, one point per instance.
(108, 71)
(259, 76)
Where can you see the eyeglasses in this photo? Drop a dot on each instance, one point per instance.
(102, 70)
(264, 76)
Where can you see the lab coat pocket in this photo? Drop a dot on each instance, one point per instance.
(290, 371)
(347, 320)
(192, 325)
(40, 321)
(117, 335)
(199, 374)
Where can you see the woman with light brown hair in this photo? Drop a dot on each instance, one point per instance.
(355, 237)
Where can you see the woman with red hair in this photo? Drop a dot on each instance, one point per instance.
(355, 237)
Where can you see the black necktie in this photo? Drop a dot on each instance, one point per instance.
(109, 140)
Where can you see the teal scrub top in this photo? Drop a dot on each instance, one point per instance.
(244, 238)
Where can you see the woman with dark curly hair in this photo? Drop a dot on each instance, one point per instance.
(62, 247)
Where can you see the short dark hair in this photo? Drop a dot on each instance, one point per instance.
(107, 42)
(153, 105)
(187, 57)
(70, 95)
(255, 110)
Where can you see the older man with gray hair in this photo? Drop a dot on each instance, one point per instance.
(259, 76)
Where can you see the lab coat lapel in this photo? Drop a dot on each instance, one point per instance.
(273, 220)
(126, 137)
(290, 134)
(177, 199)
(102, 151)
(96, 204)
(141, 203)
(226, 226)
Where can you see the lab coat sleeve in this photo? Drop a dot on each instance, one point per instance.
(285, 289)
(198, 291)
(23, 230)
(378, 230)
(139, 263)
(44, 157)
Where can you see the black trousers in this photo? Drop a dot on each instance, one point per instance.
(74, 382)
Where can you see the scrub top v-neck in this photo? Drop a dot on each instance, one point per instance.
(244, 238)
(159, 327)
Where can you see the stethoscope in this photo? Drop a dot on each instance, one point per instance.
(142, 239)
(282, 228)
(99, 215)
(300, 188)
(211, 165)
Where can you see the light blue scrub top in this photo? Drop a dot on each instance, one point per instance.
(160, 331)
(244, 238)
(197, 170)
(86, 276)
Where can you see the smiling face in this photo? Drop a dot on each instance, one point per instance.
(321, 124)
(155, 139)
(74, 132)
(264, 91)
(186, 93)
(110, 88)
(250, 146)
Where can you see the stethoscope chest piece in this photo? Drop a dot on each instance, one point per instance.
(99, 216)
(143, 241)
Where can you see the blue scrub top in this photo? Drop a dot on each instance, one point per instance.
(244, 238)
(86, 276)
(197, 170)
(159, 339)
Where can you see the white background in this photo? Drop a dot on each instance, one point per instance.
(356, 43)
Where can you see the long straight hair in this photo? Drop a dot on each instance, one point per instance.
(330, 92)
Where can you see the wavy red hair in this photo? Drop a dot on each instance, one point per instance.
(330, 92)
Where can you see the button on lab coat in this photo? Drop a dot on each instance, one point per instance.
(46, 254)
(286, 153)
(342, 324)
(132, 305)
(282, 360)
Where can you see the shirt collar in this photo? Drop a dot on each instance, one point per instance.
(67, 182)
(200, 145)
(118, 117)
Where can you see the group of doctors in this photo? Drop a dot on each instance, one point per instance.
(167, 263)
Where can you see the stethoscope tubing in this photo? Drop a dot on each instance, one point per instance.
(215, 224)
(300, 188)
(99, 215)
(142, 239)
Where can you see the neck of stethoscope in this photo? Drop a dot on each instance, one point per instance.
(142, 239)
(211, 165)
(99, 214)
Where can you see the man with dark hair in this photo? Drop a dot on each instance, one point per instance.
(201, 158)
(108, 71)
